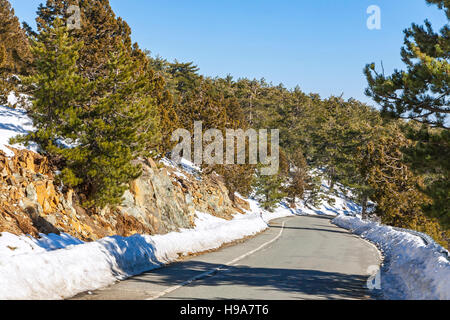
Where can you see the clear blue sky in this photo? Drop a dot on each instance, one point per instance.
(321, 45)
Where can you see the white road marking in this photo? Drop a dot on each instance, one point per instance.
(215, 270)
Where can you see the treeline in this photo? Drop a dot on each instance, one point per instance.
(113, 103)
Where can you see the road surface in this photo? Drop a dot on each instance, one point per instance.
(301, 257)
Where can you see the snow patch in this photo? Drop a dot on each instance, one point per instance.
(412, 270)
(14, 122)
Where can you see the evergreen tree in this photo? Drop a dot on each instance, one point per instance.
(250, 94)
(101, 32)
(184, 78)
(212, 101)
(295, 117)
(238, 177)
(169, 120)
(299, 180)
(15, 56)
(121, 127)
(59, 91)
(337, 129)
(205, 103)
(421, 93)
(105, 137)
(428, 156)
(269, 189)
(396, 190)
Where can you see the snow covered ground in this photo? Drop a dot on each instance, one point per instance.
(412, 269)
(12, 123)
(338, 203)
(57, 267)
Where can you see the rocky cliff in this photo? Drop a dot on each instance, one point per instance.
(162, 200)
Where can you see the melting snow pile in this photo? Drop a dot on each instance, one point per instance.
(412, 269)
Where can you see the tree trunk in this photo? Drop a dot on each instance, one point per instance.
(364, 208)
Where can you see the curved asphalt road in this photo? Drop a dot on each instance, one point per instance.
(303, 258)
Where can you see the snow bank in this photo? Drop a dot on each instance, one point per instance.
(412, 270)
(58, 267)
(11, 245)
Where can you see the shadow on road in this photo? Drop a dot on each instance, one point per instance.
(316, 284)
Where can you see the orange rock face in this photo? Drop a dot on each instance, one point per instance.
(158, 202)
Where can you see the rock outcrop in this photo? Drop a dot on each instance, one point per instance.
(162, 200)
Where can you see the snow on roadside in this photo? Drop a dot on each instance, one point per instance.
(412, 270)
(58, 267)
(11, 245)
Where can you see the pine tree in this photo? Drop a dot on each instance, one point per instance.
(2, 55)
(169, 120)
(183, 77)
(105, 137)
(251, 97)
(59, 91)
(337, 128)
(101, 32)
(121, 127)
(428, 157)
(15, 56)
(299, 179)
(205, 103)
(239, 177)
(396, 190)
(167, 97)
(269, 189)
(422, 91)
